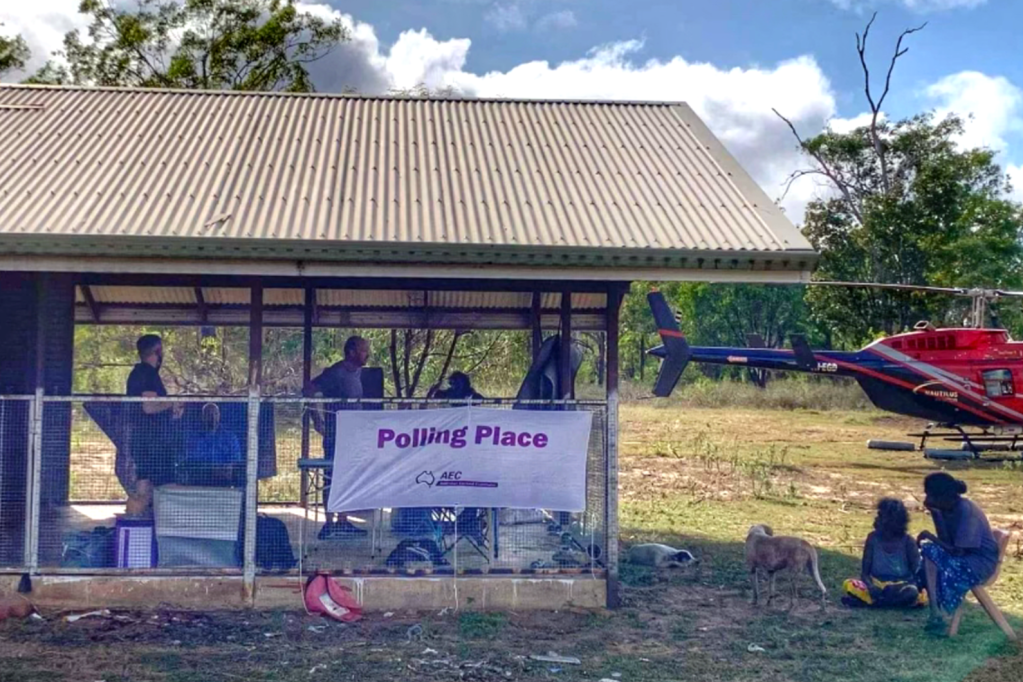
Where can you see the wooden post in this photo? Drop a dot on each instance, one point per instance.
(252, 440)
(614, 300)
(307, 376)
(565, 378)
(535, 322)
(256, 337)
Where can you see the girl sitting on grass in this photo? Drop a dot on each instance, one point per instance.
(891, 563)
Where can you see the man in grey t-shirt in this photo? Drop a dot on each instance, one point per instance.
(342, 380)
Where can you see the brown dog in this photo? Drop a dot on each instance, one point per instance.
(764, 552)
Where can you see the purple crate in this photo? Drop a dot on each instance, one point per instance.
(136, 543)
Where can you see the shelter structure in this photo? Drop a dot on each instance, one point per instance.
(160, 207)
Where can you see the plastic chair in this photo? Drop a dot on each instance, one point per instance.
(1002, 538)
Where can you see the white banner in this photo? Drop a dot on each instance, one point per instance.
(460, 457)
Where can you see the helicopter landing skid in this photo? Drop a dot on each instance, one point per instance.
(973, 445)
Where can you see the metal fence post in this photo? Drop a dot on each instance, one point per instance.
(251, 496)
(611, 501)
(34, 482)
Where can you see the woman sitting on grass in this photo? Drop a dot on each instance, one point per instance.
(962, 555)
(891, 563)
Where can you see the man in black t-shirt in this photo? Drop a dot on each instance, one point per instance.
(153, 436)
(342, 380)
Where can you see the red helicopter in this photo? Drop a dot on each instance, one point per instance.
(956, 378)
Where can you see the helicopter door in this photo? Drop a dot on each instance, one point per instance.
(998, 383)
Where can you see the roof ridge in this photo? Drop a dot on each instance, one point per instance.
(332, 95)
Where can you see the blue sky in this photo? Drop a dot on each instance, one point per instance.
(732, 60)
(727, 33)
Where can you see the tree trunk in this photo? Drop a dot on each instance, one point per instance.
(406, 359)
(420, 363)
(395, 370)
(642, 356)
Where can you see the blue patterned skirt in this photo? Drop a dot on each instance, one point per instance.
(955, 577)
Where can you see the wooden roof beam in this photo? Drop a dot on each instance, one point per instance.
(90, 301)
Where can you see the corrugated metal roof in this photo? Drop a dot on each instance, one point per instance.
(226, 170)
(113, 296)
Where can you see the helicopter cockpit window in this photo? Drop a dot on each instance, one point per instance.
(998, 383)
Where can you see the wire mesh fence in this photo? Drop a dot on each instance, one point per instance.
(15, 443)
(423, 540)
(160, 484)
(143, 484)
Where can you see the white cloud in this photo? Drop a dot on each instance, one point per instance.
(847, 125)
(517, 15)
(510, 17)
(43, 24)
(735, 103)
(1015, 174)
(921, 6)
(991, 106)
(555, 20)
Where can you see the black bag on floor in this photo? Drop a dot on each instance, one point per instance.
(273, 545)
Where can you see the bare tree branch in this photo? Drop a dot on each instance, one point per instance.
(447, 363)
(899, 51)
(861, 48)
(875, 107)
(421, 363)
(796, 175)
(826, 170)
(483, 356)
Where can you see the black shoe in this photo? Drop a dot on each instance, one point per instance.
(853, 603)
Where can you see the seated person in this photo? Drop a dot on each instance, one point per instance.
(459, 388)
(413, 520)
(962, 555)
(212, 454)
(891, 563)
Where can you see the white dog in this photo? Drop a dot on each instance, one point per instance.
(660, 556)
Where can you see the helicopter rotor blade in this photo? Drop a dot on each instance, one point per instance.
(900, 287)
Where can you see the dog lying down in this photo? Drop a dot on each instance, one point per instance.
(660, 556)
(770, 554)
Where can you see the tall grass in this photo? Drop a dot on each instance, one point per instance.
(780, 394)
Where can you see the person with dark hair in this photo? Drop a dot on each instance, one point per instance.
(963, 553)
(459, 388)
(342, 381)
(153, 436)
(891, 563)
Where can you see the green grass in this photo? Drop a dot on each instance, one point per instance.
(697, 494)
(785, 393)
(692, 477)
(476, 625)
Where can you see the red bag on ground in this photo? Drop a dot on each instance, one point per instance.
(324, 596)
